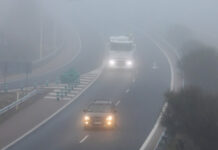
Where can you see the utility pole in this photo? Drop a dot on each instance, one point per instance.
(55, 35)
(41, 38)
(5, 74)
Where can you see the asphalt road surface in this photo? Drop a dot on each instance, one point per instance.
(139, 98)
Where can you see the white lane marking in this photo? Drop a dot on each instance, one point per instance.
(52, 98)
(70, 95)
(172, 71)
(78, 88)
(85, 80)
(172, 84)
(127, 91)
(88, 76)
(50, 117)
(49, 97)
(83, 139)
(52, 94)
(117, 103)
(81, 85)
(56, 87)
(151, 134)
(57, 90)
(67, 99)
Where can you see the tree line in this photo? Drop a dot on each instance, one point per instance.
(192, 112)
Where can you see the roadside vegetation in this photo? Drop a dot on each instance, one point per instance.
(200, 68)
(191, 118)
(198, 60)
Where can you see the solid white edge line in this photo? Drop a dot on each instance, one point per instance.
(148, 139)
(47, 119)
(83, 139)
(172, 72)
(159, 140)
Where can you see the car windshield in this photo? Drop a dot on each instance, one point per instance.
(99, 108)
(121, 46)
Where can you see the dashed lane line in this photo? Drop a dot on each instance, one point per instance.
(117, 103)
(83, 139)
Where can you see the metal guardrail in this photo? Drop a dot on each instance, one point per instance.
(17, 102)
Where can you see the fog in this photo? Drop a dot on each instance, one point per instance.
(20, 20)
(198, 15)
(55, 50)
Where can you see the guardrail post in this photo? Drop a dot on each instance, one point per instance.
(68, 88)
(5, 87)
(57, 81)
(18, 97)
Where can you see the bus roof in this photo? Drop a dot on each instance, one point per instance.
(120, 39)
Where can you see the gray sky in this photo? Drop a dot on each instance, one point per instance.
(199, 15)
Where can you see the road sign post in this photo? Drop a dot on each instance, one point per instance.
(5, 87)
(58, 96)
(65, 90)
(62, 93)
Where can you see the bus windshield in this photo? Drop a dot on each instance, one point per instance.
(121, 46)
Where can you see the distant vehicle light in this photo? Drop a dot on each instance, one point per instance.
(109, 123)
(112, 62)
(129, 63)
(86, 118)
(109, 118)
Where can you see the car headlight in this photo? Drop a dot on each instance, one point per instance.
(112, 62)
(109, 118)
(86, 118)
(129, 63)
(109, 123)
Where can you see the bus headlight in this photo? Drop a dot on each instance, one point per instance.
(129, 63)
(112, 62)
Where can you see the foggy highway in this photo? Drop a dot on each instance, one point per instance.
(138, 96)
(169, 46)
